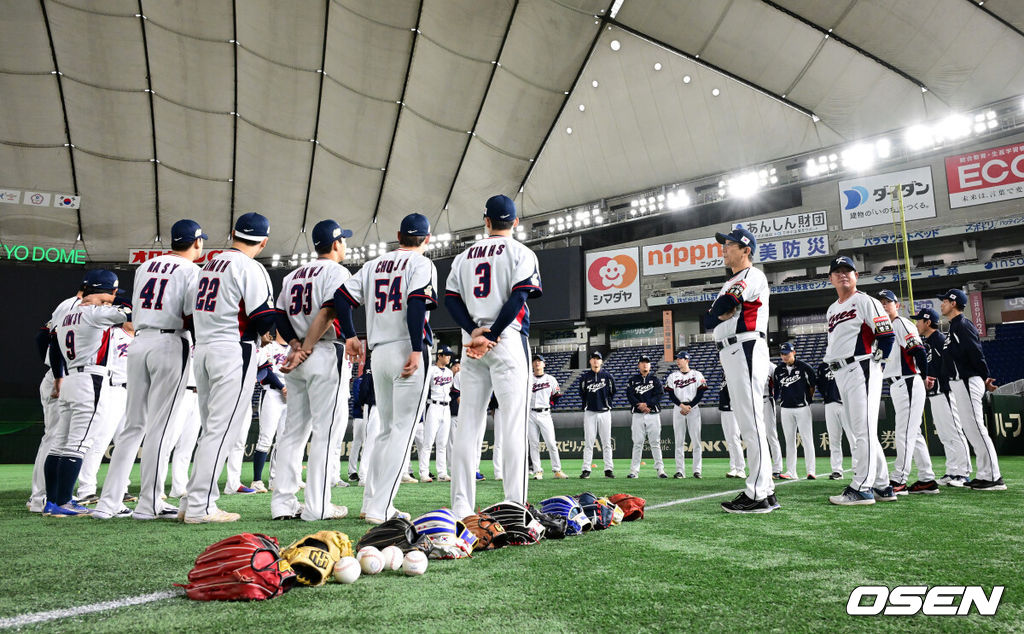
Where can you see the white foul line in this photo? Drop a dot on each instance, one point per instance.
(53, 615)
(718, 495)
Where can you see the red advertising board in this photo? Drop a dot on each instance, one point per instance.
(138, 256)
(978, 312)
(985, 176)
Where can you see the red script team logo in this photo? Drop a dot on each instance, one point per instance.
(617, 272)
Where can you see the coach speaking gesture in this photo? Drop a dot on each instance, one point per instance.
(739, 319)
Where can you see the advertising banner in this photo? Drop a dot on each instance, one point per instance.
(613, 280)
(985, 176)
(866, 201)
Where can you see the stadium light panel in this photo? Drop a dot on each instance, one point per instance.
(743, 185)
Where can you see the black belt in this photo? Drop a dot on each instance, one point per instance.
(897, 379)
(168, 331)
(842, 363)
(117, 384)
(191, 388)
(438, 402)
(728, 341)
(541, 409)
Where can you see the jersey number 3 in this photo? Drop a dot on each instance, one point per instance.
(483, 274)
(383, 295)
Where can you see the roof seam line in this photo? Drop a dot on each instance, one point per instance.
(369, 19)
(316, 119)
(152, 122)
(234, 120)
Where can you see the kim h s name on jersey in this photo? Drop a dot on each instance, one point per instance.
(485, 251)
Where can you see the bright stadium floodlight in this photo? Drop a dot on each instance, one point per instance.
(953, 127)
(598, 219)
(634, 203)
(883, 147)
(858, 157)
(919, 137)
(678, 199)
(812, 168)
(743, 185)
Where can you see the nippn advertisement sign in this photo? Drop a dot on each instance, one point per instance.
(685, 255)
(613, 280)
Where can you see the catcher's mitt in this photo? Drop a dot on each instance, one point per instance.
(446, 534)
(632, 506)
(567, 507)
(313, 557)
(522, 527)
(395, 532)
(490, 534)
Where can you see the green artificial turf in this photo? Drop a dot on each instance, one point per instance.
(684, 567)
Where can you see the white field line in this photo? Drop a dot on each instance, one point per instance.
(53, 615)
(718, 495)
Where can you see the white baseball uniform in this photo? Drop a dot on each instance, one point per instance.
(835, 419)
(385, 285)
(795, 413)
(853, 326)
(907, 389)
(731, 432)
(158, 362)
(743, 352)
(436, 420)
(51, 415)
(771, 427)
(484, 276)
(318, 392)
(112, 410)
(188, 426)
(230, 292)
(83, 334)
(543, 388)
(684, 387)
(364, 431)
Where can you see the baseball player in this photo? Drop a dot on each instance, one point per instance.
(964, 367)
(794, 387)
(355, 415)
(544, 393)
(188, 426)
(437, 418)
(318, 389)
(835, 419)
(486, 295)
(111, 412)
(771, 428)
(685, 388)
(731, 432)
(158, 366)
(48, 390)
(273, 405)
(943, 404)
(82, 337)
(739, 320)
(859, 337)
(644, 391)
(232, 304)
(597, 387)
(367, 403)
(453, 401)
(398, 290)
(905, 367)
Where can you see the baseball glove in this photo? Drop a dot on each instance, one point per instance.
(564, 506)
(632, 506)
(519, 522)
(395, 532)
(313, 557)
(445, 534)
(616, 511)
(490, 534)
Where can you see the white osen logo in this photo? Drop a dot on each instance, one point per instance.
(936, 601)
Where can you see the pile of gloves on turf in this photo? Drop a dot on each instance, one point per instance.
(251, 566)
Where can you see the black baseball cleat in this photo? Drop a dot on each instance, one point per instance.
(608, 473)
(884, 494)
(835, 475)
(296, 516)
(921, 486)
(89, 500)
(584, 475)
(776, 474)
(432, 476)
(696, 474)
(987, 485)
(679, 475)
(899, 489)
(631, 476)
(662, 475)
(811, 476)
(773, 501)
(353, 477)
(743, 504)
(128, 497)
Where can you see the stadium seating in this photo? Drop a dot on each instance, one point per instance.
(1003, 353)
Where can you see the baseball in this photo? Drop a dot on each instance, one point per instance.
(393, 557)
(415, 564)
(346, 570)
(371, 560)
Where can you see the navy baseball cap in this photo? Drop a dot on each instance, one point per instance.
(955, 295)
(327, 231)
(740, 235)
(186, 231)
(644, 359)
(539, 357)
(888, 295)
(501, 208)
(415, 225)
(252, 226)
(99, 280)
(927, 313)
(786, 348)
(444, 350)
(596, 355)
(682, 354)
(840, 262)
